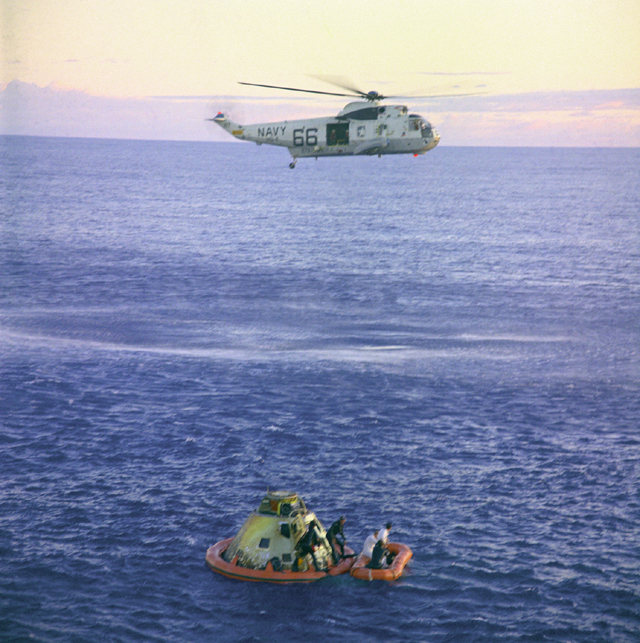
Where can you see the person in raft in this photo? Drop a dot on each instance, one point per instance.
(383, 535)
(337, 539)
(378, 556)
(308, 543)
(369, 544)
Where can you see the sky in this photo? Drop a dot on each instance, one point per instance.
(555, 72)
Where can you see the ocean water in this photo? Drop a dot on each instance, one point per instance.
(450, 343)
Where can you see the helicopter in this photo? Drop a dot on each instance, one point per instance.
(363, 127)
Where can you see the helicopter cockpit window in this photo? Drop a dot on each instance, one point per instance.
(414, 124)
(426, 129)
(338, 134)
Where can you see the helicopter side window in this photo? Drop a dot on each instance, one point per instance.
(414, 125)
(364, 114)
(338, 134)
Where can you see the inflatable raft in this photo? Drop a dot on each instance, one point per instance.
(270, 545)
(403, 555)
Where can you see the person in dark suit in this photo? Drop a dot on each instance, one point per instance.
(337, 539)
(379, 556)
(308, 543)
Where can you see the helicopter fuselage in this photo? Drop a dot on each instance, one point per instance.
(359, 128)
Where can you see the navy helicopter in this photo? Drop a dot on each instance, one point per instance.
(361, 127)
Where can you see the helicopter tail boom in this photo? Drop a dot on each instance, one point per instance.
(231, 126)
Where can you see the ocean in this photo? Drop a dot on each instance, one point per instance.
(450, 343)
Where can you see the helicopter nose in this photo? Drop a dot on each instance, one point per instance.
(432, 141)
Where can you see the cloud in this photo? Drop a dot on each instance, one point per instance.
(584, 118)
(539, 101)
(464, 73)
(27, 109)
(600, 118)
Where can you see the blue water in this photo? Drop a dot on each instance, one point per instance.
(449, 342)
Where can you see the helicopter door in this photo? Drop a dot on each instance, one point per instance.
(338, 134)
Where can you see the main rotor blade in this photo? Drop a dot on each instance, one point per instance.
(341, 82)
(439, 95)
(371, 96)
(296, 89)
(448, 90)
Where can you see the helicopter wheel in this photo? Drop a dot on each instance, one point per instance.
(293, 163)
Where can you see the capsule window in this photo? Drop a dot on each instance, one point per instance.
(284, 530)
(264, 543)
(285, 509)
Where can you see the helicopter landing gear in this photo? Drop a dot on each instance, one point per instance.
(293, 163)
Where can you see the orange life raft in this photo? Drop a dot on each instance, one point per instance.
(403, 555)
(268, 574)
